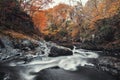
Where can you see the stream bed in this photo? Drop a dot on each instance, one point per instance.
(43, 63)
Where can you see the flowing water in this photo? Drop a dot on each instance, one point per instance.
(28, 70)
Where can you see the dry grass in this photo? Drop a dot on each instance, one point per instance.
(18, 35)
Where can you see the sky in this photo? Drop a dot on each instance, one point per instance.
(56, 2)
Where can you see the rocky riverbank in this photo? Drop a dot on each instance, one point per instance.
(12, 49)
(109, 59)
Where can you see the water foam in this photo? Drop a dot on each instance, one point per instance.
(79, 58)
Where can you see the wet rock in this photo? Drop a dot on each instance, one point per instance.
(9, 52)
(110, 64)
(24, 44)
(59, 51)
(5, 42)
(1, 44)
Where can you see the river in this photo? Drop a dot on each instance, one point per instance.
(79, 66)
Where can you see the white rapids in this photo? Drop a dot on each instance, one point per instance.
(79, 58)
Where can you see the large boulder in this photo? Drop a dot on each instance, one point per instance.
(60, 51)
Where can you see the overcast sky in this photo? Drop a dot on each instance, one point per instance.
(56, 2)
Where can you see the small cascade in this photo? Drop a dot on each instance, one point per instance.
(28, 71)
(44, 47)
(84, 53)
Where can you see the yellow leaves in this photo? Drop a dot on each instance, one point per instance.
(105, 9)
(114, 7)
(61, 14)
(57, 18)
(50, 22)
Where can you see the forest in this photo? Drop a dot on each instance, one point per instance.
(72, 40)
(97, 21)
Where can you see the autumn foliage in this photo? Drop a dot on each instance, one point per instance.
(74, 22)
(40, 20)
(62, 22)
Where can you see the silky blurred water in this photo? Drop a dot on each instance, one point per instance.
(79, 58)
